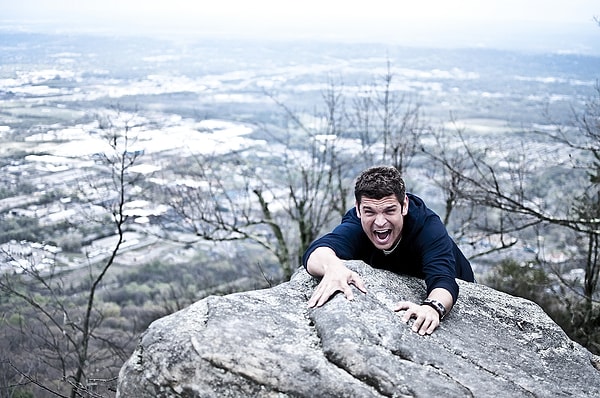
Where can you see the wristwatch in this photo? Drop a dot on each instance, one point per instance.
(436, 305)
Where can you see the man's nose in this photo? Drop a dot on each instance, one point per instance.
(380, 220)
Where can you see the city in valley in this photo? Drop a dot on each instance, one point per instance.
(191, 100)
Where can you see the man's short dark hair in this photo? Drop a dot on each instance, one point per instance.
(378, 182)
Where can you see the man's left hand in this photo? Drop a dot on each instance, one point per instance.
(427, 318)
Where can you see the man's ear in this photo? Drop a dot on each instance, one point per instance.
(357, 207)
(405, 206)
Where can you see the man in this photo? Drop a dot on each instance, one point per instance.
(390, 229)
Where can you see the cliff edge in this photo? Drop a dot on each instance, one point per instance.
(268, 343)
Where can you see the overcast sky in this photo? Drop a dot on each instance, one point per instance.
(561, 25)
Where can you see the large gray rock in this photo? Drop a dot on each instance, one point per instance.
(267, 343)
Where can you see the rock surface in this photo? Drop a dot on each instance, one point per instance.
(267, 343)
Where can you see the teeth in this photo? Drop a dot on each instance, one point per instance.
(382, 234)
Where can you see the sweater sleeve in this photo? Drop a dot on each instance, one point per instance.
(346, 240)
(439, 263)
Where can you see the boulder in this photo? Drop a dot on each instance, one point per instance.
(268, 343)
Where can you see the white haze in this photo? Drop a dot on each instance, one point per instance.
(550, 25)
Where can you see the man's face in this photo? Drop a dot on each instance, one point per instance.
(382, 219)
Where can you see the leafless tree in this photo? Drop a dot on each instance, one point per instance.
(583, 140)
(283, 199)
(506, 179)
(389, 124)
(362, 120)
(401, 124)
(63, 327)
(468, 178)
(280, 200)
(449, 146)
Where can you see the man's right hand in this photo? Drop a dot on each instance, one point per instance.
(335, 277)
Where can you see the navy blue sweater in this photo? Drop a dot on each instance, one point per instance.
(425, 251)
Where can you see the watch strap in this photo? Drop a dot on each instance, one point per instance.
(436, 305)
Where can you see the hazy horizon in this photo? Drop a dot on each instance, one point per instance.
(555, 26)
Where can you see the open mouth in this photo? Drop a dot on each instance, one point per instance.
(383, 235)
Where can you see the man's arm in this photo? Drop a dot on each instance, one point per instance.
(324, 263)
(346, 239)
(439, 268)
